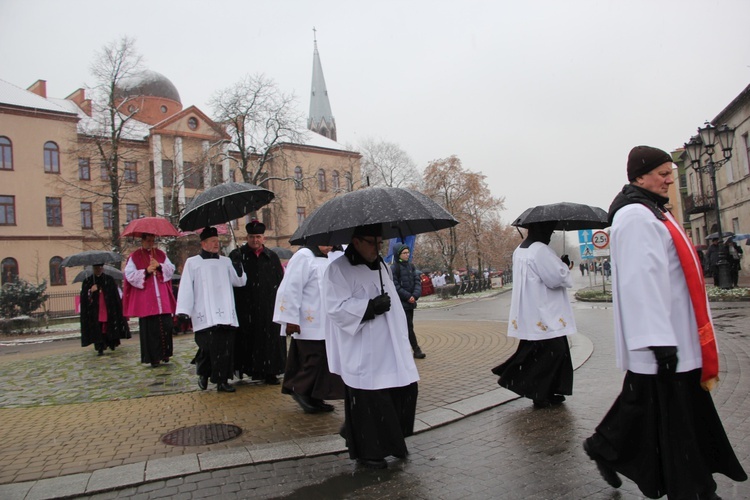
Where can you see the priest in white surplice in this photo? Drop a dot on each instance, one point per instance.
(299, 311)
(205, 295)
(368, 345)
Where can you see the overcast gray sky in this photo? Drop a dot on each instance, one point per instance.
(545, 98)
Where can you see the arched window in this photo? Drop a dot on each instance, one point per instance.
(298, 177)
(348, 178)
(335, 180)
(6, 154)
(10, 270)
(56, 272)
(322, 180)
(51, 158)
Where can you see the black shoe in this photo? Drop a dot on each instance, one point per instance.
(607, 473)
(203, 382)
(154, 365)
(224, 387)
(541, 403)
(557, 399)
(272, 380)
(100, 352)
(305, 403)
(321, 405)
(418, 354)
(374, 463)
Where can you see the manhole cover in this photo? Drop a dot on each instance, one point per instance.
(201, 434)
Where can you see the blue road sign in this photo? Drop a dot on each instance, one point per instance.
(584, 235)
(587, 251)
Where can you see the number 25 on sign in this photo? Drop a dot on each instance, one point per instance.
(600, 239)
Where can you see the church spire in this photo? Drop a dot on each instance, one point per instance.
(321, 118)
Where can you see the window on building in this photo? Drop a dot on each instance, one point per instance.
(7, 210)
(192, 123)
(56, 272)
(348, 180)
(322, 180)
(746, 140)
(87, 215)
(51, 158)
(193, 175)
(130, 174)
(167, 172)
(266, 214)
(107, 215)
(131, 212)
(699, 241)
(298, 177)
(10, 270)
(335, 182)
(735, 225)
(54, 211)
(103, 172)
(300, 215)
(84, 169)
(6, 154)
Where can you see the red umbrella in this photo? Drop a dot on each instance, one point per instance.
(151, 225)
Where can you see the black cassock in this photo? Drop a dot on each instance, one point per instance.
(259, 349)
(91, 328)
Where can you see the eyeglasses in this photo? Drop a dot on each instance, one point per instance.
(376, 242)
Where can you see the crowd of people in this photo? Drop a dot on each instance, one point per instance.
(350, 320)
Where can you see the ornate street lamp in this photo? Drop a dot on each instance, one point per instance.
(705, 143)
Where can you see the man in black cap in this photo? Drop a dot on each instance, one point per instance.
(205, 296)
(260, 351)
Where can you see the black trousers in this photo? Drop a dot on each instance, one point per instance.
(410, 324)
(214, 357)
(155, 337)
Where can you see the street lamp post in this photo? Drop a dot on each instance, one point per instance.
(702, 144)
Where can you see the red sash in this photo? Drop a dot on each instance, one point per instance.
(697, 289)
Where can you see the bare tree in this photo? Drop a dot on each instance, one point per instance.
(261, 119)
(386, 164)
(479, 210)
(111, 125)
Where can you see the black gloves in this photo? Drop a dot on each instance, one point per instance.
(378, 305)
(565, 259)
(666, 358)
(236, 262)
(183, 319)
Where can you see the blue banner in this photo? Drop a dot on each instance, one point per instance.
(408, 241)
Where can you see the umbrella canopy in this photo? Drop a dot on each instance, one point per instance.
(715, 236)
(224, 203)
(282, 253)
(569, 216)
(88, 271)
(742, 236)
(91, 258)
(221, 229)
(400, 212)
(157, 226)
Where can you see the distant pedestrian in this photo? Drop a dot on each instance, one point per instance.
(662, 431)
(147, 295)
(102, 323)
(582, 267)
(735, 256)
(205, 297)
(712, 258)
(300, 313)
(409, 288)
(541, 317)
(368, 345)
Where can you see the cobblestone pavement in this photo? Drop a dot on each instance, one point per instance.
(511, 451)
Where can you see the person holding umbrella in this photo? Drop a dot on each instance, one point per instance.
(662, 431)
(205, 297)
(367, 341)
(102, 322)
(541, 317)
(147, 295)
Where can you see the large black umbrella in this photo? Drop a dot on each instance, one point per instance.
(91, 258)
(88, 271)
(715, 236)
(400, 212)
(569, 216)
(282, 253)
(223, 203)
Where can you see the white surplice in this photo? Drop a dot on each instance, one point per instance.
(373, 354)
(205, 292)
(298, 299)
(539, 307)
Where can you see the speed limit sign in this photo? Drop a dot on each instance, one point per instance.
(600, 239)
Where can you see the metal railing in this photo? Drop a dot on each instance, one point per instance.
(59, 305)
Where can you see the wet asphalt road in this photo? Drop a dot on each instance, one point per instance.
(512, 451)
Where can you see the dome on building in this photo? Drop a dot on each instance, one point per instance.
(148, 84)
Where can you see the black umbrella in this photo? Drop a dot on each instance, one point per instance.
(569, 216)
(91, 258)
(223, 203)
(283, 253)
(88, 271)
(715, 236)
(400, 212)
